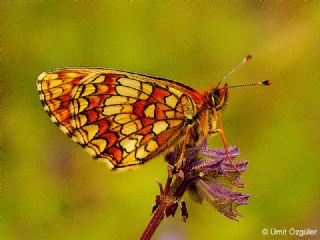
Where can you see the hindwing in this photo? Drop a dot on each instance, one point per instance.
(125, 118)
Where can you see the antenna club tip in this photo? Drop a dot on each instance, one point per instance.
(247, 58)
(267, 82)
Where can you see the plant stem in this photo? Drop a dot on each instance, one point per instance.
(155, 221)
(159, 213)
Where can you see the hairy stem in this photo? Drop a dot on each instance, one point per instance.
(155, 221)
(159, 213)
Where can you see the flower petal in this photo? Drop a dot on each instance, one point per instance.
(223, 199)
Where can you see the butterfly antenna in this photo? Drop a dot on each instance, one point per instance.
(263, 83)
(246, 59)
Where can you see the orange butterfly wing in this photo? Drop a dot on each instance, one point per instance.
(125, 118)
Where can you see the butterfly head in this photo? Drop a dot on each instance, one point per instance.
(219, 97)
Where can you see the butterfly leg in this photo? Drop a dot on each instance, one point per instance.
(225, 143)
(178, 164)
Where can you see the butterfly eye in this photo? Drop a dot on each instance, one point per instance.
(215, 100)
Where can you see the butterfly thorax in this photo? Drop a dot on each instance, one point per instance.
(205, 121)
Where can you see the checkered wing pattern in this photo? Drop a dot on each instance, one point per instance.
(124, 118)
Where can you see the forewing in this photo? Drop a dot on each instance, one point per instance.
(122, 117)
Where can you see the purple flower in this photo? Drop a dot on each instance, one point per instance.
(209, 174)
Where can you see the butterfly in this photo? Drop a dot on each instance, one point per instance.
(127, 118)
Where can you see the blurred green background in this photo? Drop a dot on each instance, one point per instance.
(51, 187)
